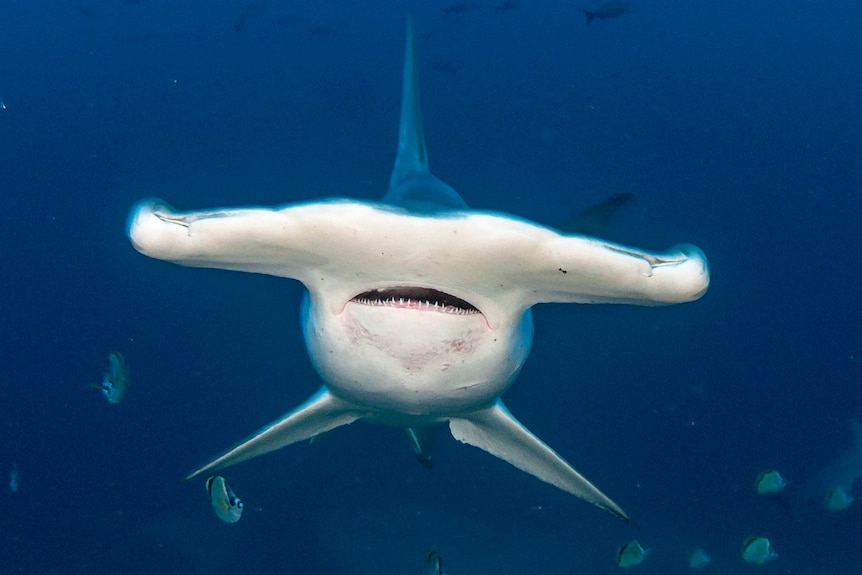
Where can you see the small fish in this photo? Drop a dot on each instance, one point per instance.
(838, 499)
(227, 505)
(435, 564)
(758, 550)
(769, 483)
(607, 10)
(13, 479)
(116, 380)
(833, 485)
(631, 554)
(699, 559)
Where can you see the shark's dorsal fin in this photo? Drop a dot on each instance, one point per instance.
(412, 185)
(412, 155)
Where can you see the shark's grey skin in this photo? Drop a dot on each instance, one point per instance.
(418, 308)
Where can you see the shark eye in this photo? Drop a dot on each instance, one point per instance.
(428, 299)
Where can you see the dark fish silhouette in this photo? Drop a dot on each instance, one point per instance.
(595, 220)
(507, 5)
(610, 9)
(320, 30)
(457, 9)
(250, 11)
(445, 67)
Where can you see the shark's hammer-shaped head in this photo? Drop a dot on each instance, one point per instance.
(418, 308)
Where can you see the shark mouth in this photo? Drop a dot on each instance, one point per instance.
(419, 298)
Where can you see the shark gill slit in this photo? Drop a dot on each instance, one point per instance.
(421, 298)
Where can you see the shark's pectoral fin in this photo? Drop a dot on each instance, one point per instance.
(321, 413)
(496, 431)
(422, 442)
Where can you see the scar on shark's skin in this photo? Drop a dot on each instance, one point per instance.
(417, 311)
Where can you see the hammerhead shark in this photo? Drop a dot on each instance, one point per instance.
(417, 309)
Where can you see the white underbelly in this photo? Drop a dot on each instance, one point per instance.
(419, 364)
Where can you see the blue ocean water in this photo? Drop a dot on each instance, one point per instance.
(736, 125)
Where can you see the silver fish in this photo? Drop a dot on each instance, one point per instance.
(758, 550)
(13, 479)
(769, 483)
(834, 484)
(631, 554)
(227, 505)
(435, 563)
(699, 559)
(116, 379)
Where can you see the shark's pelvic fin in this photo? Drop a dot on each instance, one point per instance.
(422, 442)
(321, 413)
(412, 185)
(496, 431)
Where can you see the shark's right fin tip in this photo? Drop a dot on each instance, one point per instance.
(496, 431)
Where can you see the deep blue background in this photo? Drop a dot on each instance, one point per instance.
(736, 124)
